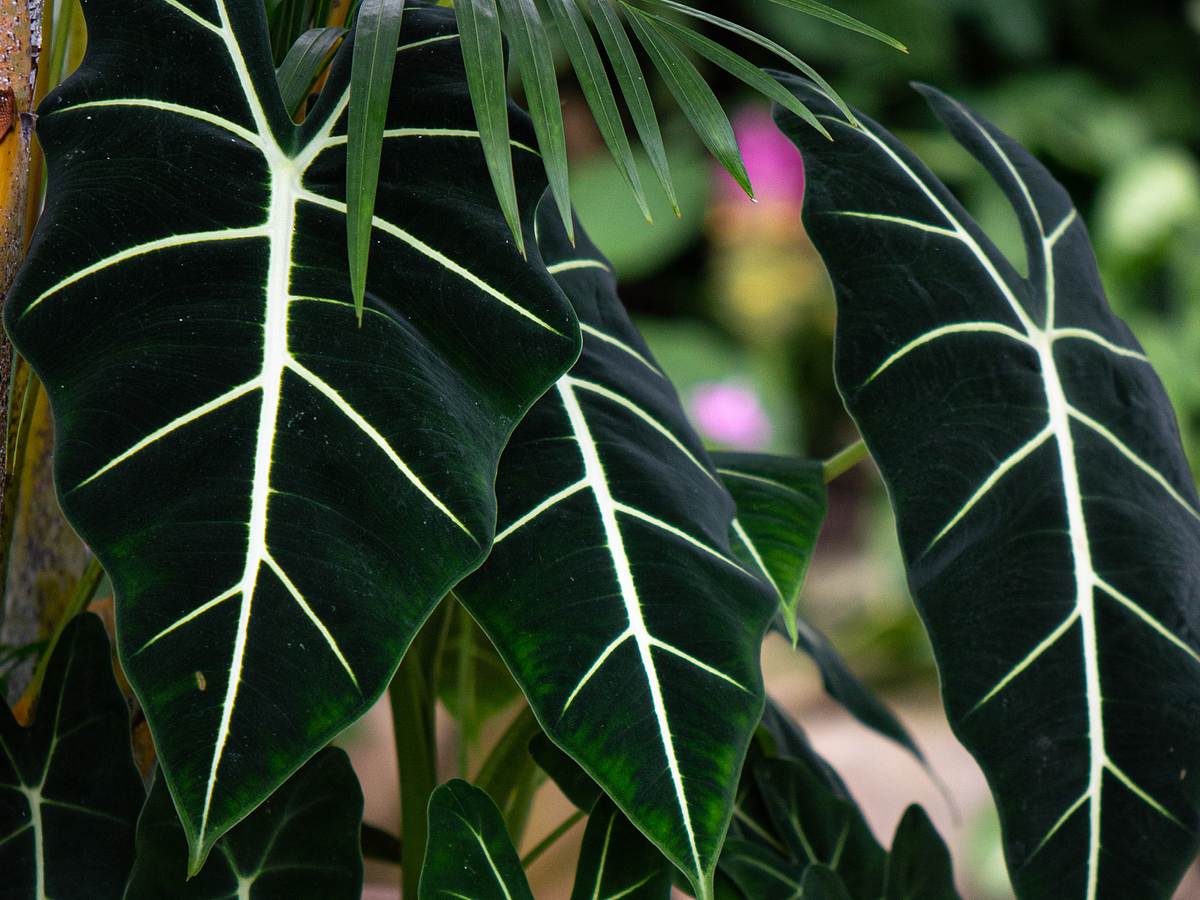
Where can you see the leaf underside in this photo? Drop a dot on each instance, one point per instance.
(1045, 510)
(301, 844)
(69, 792)
(279, 496)
(612, 592)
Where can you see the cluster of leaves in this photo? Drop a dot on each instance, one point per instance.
(279, 528)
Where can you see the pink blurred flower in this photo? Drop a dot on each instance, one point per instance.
(731, 414)
(774, 164)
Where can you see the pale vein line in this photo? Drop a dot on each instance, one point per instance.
(487, 856)
(1142, 795)
(1058, 232)
(771, 482)
(754, 554)
(632, 407)
(1124, 450)
(164, 106)
(376, 438)
(619, 344)
(174, 425)
(166, 243)
(1062, 820)
(437, 256)
(330, 301)
(1084, 334)
(943, 331)
(546, 504)
(679, 533)
(1045, 644)
(194, 614)
(703, 666)
(1137, 610)
(572, 265)
(594, 469)
(899, 220)
(992, 480)
(195, 17)
(596, 667)
(612, 818)
(629, 890)
(312, 616)
(338, 140)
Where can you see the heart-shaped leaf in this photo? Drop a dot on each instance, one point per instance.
(470, 853)
(69, 792)
(279, 495)
(612, 592)
(1046, 512)
(301, 844)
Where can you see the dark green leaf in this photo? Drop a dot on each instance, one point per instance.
(279, 497)
(483, 56)
(823, 883)
(821, 11)
(470, 854)
(919, 864)
(628, 70)
(759, 872)
(785, 738)
(69, 792)
(581, 48)
(576, 785)
(303, 63)
(1046, 513)
(301, 844)
(693, 95)
(612, 593)
(616, 860)
(473, 683)
(376, 33)
(535, 59)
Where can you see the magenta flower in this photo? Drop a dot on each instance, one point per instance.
(730, 414)
(774, 164)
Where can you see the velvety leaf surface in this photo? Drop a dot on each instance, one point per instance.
(470, 853)
(1045, 509)
(919, 866)
(616, 860)
(612, 592)
(280, 495)
(301, 844)
(69, 792)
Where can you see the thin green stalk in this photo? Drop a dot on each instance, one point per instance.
(82, 595)
(60, 38)
(841, 463)
(416, 755)
(464, 686)
(501, 770)
(529, 778)
(552, 838)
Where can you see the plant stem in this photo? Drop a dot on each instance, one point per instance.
(842, 462)
(552, 838)
(416, 755)
(82, 595)
(501, 770)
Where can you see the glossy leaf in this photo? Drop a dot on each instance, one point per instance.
(919, 864)
(616, 860)
(483, 57)
(781, 505)
(694, 96)
(303, 62)
(69, 792)
(1046, 513)
(279, 497)
(837, 17)
(611, 591)
(301, 844)
(470, 853)
(376, 34)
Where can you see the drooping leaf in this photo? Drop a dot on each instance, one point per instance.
(279, 497)
(837, 17)
(919, 863)
(483, 58)
(301, 844)
(69, 792)
(781, 505)
(616, 860)
(781, 736)
(1045, 509)
(581, 48)
(376, 34)
(470, 853)
(611, 591)
(823, 883)
(304, 60)
(694, 96)
(760, 872)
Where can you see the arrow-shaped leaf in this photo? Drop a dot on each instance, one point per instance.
(69, 792)
(280, 497)
(301, 844)
(1046, 513)
(612, 592)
